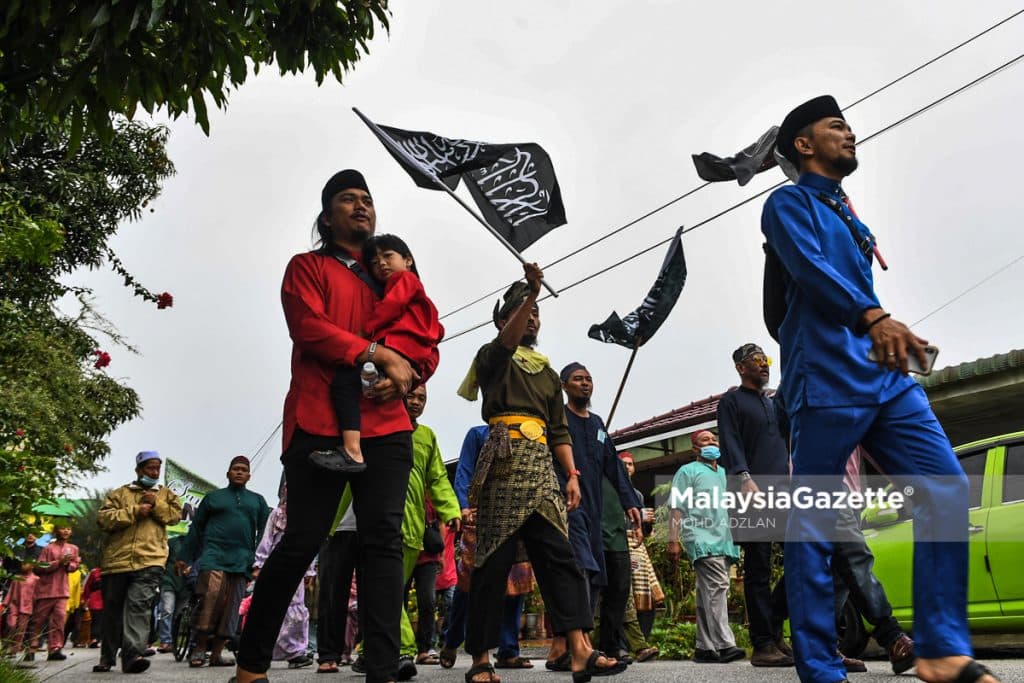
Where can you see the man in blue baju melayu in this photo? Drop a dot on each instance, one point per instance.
(837, 397)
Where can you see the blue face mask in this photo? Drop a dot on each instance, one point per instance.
(710, 453)
(148, 482)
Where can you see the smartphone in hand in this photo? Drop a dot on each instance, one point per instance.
(913, 364)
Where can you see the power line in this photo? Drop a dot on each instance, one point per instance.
(258, 453)
(696, 189)
(970, 289)
(737, 205)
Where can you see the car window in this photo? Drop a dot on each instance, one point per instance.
(974, 468)
(1013, 474)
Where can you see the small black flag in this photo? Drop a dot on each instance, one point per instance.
(514, 185)
(639, 326)
(744, 165)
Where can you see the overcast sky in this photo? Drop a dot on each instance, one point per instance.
(620, 95)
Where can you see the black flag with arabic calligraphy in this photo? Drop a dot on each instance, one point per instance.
(637, 328)
(514, 185)
(743, 165)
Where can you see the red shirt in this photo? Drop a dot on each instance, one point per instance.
(326, 307)
(53, 579)
(407, 321)
(448, 576)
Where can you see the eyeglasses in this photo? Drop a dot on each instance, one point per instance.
(758, 360)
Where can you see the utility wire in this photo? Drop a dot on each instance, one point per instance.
(258, 453)
(887, 128)
(696, 189)
(970, 289)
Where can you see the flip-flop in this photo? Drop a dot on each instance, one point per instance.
(427, 658)
(972, 671)
(592, 669)
(560, 663)
(513, 663)
(480, 669)
(332, 668)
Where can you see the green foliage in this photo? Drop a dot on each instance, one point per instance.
(87, 534)
(79, 63)
(9, 673)
(677, 639)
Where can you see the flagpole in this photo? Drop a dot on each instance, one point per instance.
(386, 139)
(622, 385)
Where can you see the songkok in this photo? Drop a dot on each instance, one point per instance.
(342, 180)
(512, 298)
(143, 456)
(746, 351)
(569, 369)
(804, 115)
(626, 455)
(710, 453)
(693, 437)
(239, 459)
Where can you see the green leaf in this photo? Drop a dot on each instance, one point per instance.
(201, 116)
(101, 17)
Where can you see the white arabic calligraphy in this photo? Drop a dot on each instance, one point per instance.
(510, 186)
(439, 155)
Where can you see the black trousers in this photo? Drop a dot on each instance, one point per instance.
(345, 389)
(561, 582)
(424, 577)
(313, 496)
(337, 565)
(852, 564)
(128, 601)
(766, 608)
(614, 597)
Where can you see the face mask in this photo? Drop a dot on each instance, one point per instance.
(710, 453)
(148, 482)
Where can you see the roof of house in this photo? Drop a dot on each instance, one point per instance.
(705, 409)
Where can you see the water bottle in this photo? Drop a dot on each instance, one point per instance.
(369, 376)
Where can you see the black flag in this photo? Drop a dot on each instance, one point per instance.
(514, 185)
(639, 326)
(742, 166)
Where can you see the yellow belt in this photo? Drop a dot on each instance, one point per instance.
(523, 427)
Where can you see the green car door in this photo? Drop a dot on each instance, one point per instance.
(1005, 533)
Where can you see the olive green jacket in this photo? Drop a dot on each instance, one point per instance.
(135, 543)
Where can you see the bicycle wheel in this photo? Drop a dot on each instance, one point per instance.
(181, 633)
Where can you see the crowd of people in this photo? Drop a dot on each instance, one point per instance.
(541, 494)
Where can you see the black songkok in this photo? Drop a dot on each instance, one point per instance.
(745, 351)
(804, 115)
(512, 298)
(569, 369)
(342, 180)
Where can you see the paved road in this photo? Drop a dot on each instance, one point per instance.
(78, 669)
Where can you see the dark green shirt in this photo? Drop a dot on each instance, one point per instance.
(613, 520)
(508, 389)
(227, 528)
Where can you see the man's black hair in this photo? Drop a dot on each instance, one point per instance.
(387, 243)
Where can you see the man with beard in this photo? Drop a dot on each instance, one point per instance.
(755, 454)
(837, 397)
(327, 296)
(222, 539)
(515, 490)
(595, 457)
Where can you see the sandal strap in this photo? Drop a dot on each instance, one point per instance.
(972, 671)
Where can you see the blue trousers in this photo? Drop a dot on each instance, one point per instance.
(907, 441)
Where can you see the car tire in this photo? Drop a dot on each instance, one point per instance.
(853, 637)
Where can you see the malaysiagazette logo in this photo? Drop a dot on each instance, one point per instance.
(800, 498)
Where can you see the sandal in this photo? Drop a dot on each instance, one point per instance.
(102, 668)
(328, 667)
(647, 653)
(561, 663)
(337, 460)
(447, 657)
(972, 671)
(480, 669)
(428, 658)
(592, 669)
(196, 660)
(513, 663)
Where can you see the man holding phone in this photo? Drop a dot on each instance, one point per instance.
(836, 398)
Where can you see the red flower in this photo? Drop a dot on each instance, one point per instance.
(102, 359)
(19, 432)
(164, 300)
(67, 448)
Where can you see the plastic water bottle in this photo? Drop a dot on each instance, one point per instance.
(369, 376)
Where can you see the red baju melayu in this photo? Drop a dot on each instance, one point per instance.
(327, 306)
(18, 603)
(406, 319)
(50, 608)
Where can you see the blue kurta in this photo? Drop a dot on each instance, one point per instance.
(595, 457)
(824, 361)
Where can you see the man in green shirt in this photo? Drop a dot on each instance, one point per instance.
(227, 527)
(427, 477)
(708, 542)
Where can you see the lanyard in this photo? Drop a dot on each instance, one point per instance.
(360, 273)
(865, 243)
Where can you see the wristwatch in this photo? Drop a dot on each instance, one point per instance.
(372, 349)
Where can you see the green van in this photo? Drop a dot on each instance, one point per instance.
(995, 591)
